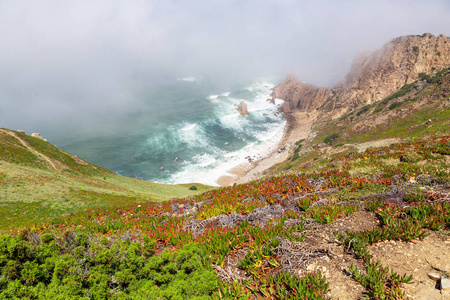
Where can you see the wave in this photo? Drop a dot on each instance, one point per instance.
(189, 126)
(189, 79)
(226, 139)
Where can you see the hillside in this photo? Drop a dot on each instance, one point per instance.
(418, 109)
(359, 210)
(40, 181)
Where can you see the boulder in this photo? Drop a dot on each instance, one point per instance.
(38, 135)
(445, 284)
(242, 108)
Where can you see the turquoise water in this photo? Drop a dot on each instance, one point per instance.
(187, 131)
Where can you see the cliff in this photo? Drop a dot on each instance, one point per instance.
(299, 95)
(372, 77)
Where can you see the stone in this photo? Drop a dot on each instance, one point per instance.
(445, 284)
(38, 135)
(271, 100)
(434, 276)
(242, 108)
(312, 267)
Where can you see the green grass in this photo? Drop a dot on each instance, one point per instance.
(12, 151)
(32, 191)
(52, 194)
(110, 220)
(66, 161)
(412, 126)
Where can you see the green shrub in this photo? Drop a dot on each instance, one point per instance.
(403, 91)
(47, 238)
(296, 151)
(423, 76)
(411, 157)
(343, 117)
(433, 78)
(378, 109)
(193, 188)
(330, 139)
(395, 105)
(77, 267)
(363, 110)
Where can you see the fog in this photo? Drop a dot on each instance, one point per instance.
(65, 64)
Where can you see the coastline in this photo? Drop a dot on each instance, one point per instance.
(298, 126)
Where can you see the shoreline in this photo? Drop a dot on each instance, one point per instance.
(298, 126)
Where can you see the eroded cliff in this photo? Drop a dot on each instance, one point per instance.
(373, 76)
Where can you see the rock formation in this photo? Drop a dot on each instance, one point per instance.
(38, 135)
(373, 76)
(242, 108)
(299, 95)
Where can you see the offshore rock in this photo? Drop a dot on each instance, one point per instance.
(242, 108)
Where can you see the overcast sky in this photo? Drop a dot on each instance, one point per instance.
(60, 59)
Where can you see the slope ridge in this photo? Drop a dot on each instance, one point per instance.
(26, 145)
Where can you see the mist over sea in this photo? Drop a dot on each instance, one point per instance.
(190, 131)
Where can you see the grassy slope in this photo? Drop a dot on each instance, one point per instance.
(420, 110)
(33, 190)
(421, 168)
(355, 180)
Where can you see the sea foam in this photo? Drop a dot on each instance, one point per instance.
(256, 135)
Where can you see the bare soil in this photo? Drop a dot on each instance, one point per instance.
(418, 258)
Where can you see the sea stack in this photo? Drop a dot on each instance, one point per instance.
(242, 108)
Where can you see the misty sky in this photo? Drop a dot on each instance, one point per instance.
(83, 60)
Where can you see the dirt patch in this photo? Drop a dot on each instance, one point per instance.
(322, 251)
(418, 258)
(379, 143)
(335, 260)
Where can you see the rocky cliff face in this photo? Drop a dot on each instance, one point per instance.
(373, 76)
(299, 95)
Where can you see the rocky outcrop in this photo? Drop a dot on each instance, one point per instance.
(299, 95)
(38, 135)
(373, 76)
(242, 108)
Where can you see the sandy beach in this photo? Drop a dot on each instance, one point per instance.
(298, 127)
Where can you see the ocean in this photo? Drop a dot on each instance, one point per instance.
(188, 132)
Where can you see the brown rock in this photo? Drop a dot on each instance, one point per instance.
(38, 135)
(271, 100)
(299, 95)
(434, 276)
(242, 108)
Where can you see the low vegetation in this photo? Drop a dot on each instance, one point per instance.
(71, 230)
(183, 247)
